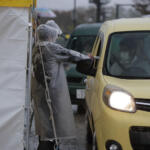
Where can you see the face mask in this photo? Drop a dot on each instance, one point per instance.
(125, 58)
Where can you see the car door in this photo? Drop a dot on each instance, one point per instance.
(91, 80)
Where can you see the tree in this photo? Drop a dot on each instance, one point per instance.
(100, 14)
(143, 6)
(65, 18)
(85, 15)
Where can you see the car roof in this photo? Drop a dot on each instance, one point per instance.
(130, 24)
(86, 29)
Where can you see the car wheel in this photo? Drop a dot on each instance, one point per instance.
(91, 138)
(81, 109)
(94, 143)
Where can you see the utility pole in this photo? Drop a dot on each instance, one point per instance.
(75, 13)
(98, 8)
(98, 11)
(117, 11)
(99, 4)
(118, 8)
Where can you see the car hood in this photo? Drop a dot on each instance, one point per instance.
(137, 88)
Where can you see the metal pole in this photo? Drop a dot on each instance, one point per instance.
(118, 7)
(28, 87)
(74, 13)
(98, 12)
(117, 11)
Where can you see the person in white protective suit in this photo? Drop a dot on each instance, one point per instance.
(53, 55)
(53, 24)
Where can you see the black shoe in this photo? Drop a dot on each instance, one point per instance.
(46, 145)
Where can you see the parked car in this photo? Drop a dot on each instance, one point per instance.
(62, 39)
(82, 40)
(118, 86)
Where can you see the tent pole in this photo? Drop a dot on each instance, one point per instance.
(28, 90)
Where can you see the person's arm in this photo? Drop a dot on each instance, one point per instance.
(68, 55)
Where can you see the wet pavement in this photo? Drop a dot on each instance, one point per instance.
(75, 144)
(80, 122)
(80, 142)
(81, 131)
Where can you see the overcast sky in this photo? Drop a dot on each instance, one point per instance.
(68, 4)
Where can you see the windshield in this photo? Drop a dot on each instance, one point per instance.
(83, 44)
(128, 55)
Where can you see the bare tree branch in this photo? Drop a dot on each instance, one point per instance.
(143, 6)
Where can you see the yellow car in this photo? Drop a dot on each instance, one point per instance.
(118, 85)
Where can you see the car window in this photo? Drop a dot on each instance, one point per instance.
(101, 36)
(83, 44)
(99, 50)
(94, 49)
(128, 55)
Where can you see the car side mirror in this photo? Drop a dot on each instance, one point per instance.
(86, 67)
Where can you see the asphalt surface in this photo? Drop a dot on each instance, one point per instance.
(80, 142)
(80, 122)
(74, 144)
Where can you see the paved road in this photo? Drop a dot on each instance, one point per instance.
(81, 127)
(80, 121)
(79, 144)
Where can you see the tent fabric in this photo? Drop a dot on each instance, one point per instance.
(16, 3)
(13, 60)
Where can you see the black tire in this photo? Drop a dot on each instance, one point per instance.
(81, 109)
(46, 145)
(94, 144)
(89, 136)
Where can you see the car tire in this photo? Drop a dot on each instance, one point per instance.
(94, 143)
(91, 138)
(81, 109)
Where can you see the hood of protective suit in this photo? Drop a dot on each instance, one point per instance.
(53, 24)
(46, 33)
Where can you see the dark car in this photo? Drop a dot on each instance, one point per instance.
(81, 40)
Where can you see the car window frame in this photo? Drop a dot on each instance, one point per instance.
(97, 51)
(104, 69)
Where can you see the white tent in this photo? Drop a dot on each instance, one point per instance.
(15, 45)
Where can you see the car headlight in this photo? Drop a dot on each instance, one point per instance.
(119, 99)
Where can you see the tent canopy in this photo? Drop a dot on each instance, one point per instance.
(17, 3)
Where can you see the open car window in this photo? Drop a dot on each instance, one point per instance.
(128, 55)
(83, 44)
